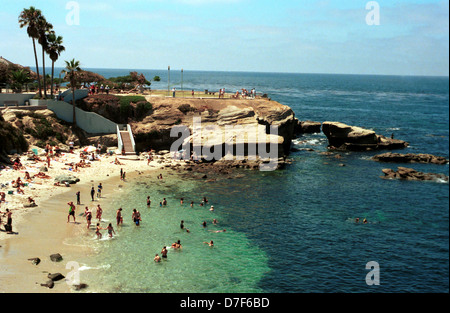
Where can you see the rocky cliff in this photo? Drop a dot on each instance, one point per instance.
(216, 117)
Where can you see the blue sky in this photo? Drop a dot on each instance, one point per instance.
(242, 35)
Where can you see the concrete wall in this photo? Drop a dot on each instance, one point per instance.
(79, 94)
(88, 121)
(19, 97)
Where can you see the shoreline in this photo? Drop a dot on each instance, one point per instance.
(43, 230)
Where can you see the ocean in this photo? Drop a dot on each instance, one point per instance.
(293, 230)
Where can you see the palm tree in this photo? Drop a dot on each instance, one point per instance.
(72, 67)
(44, 29)
(19, 78)
(29, 18)
(54, 50)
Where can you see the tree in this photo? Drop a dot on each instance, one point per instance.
(71, 70)
(45, 29)
(19, 78)
(29, 18)
(54, 50)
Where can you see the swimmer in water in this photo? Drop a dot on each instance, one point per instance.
(157, 258)
(110, 230)
(119, 216)
(136, 216)
(212, 208)
(149, 202)
(97, 231)
(182, 225)
(177, 245)
(211, 243)
(218, 231)
(364, 221)
(164, 252)
(357, 220)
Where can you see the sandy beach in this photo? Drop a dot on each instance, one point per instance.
(43, 230)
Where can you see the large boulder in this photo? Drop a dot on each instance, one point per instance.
(66, 178)
(345, 137)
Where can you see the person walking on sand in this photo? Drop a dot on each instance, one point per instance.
(92, 193)
(110, 230)
(8, 225)
(71, 211)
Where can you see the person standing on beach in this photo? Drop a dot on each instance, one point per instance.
(92, 193)
(71, 211)
(78, 197)
(99, 190)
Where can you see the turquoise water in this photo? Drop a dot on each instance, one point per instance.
(293, 230)
(125, 263)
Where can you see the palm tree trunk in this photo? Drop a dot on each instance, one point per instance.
(37, 69)
(43, 73)
(53, 71)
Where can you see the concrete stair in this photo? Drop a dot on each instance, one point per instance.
(126, 140)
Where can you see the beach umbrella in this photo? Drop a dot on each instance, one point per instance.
(90, 149)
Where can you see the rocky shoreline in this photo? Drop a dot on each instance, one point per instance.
(410, 158)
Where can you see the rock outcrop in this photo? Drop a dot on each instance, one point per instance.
(344, 137)
(307, 127)
(217, 125)
(406, 173)
(410, 158)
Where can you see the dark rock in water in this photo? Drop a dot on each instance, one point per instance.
(49, 284)
(352, 138)
(56, 257)
(35, 261)
(406, 173)
(56, 276)
(409, 158)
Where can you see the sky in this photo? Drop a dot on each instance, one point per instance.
(294, 36)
